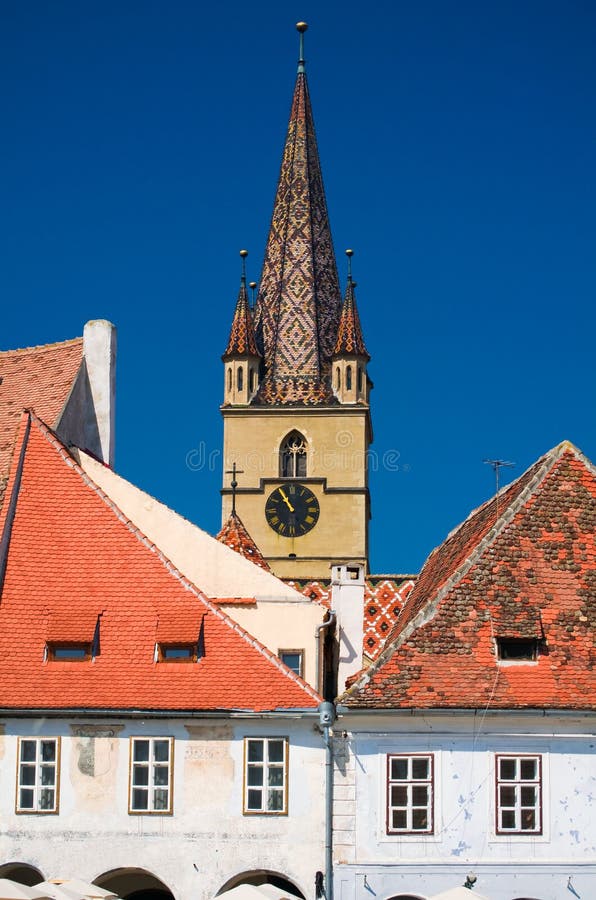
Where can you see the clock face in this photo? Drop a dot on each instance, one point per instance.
(292, 509)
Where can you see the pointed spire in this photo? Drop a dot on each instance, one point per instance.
(242, 334)
(299, 300)
(234, 535)
(349, 334)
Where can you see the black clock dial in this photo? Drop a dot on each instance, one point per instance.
(292, 509)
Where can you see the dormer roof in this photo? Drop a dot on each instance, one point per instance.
(234, 535)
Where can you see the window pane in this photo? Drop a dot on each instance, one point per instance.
(276, 751)
(420, 795)
(25, 798)
(140, 775)
(419, 819)
(46, 798)
(255, 751)
(528, 769)
(160, 799)
(508, 818)
(399, 769)
(48, 751)
(254, 799)
(161, 751)
(292, 661)
(399, 818)
(506, 796)
(141, 751)
(528, 819)
(27, 775)
(420, 768)
(301, 465)
(275, 776)
(28, 751)
(48, 774)
(507, 769)
(276, 801)
(160, 775)
(528, 796)
(140, 799)
(399, 795)
(255, 776)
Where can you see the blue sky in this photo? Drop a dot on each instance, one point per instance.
(140, 151)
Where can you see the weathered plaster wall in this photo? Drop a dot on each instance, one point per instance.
(206, 840)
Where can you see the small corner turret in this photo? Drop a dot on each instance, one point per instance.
(350, 356)
(241, 359)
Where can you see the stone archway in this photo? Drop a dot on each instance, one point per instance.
(21, 872)
(134, 884)
(262, 876)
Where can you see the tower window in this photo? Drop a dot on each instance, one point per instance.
(240, 378)
(229, 379)
(349, 378)
(360, 380)
(337, 378)
(251, 380)
(292, 456)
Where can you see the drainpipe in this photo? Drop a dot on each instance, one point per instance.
(324, 625)
(326, 719)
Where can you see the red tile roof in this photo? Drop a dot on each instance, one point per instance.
(242, 333)
(71, 550)
(234, 535)
(349, 334)
(522, 565)
(38, 378)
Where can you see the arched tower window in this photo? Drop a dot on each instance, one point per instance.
(337, 378)
(229, 379)
(360, 379)
(240, 378)
(292, 456)
(349, 378)
(252, 380)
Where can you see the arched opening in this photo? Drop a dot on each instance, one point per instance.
(22, 873)
(349, 378)
(292, 456)
(337, 378)
(134, 884)
(360, 379)
(229, 379)
(251, 380)
(406, 897)
(262, 876)
(240, 378)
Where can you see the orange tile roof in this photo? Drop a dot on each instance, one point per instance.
(522, 565)
(38, 378)
(234, 535)
(71, 550)
(349, 334)
(242, 340)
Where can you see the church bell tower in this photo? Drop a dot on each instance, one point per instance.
(296, 409)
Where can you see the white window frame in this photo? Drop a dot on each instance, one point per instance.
(41, 770)
(518, 783)
(270, 770)
(410, 783)
(152, 782)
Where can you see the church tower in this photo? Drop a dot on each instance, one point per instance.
(296, 391)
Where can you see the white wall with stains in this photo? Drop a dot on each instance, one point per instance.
(370, 862)
(205, 841)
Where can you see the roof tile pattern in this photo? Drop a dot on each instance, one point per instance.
(349, 334)
(242, 335)
(72, 550)
(38, 378)
(234, 535)
(524, 569)
(299, 301)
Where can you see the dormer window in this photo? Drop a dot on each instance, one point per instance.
(177, 653)
(292, 456)
(69, 652)
(518, 650)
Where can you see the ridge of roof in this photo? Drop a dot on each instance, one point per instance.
(235, 535)
(37, 347)
(349, 333)
(47, 433)
(241, 341)
(420, 610)
(299, 300)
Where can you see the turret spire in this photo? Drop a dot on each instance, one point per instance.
(349, 334)
(242, 334)
(299, 300)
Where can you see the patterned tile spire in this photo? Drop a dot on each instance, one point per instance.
(349, 334)
(234, 535)
(242, 333)
(299, 301)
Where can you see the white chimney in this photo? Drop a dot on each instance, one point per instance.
(347, 600)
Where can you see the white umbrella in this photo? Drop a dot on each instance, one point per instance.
(13, 890)
(256, 892)
(71, 887)
(458, 893)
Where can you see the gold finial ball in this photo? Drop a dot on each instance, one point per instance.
(243, 253)
(301, 27)
(349, 253)
(252, 284)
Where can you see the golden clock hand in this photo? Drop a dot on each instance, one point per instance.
(286, 501)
